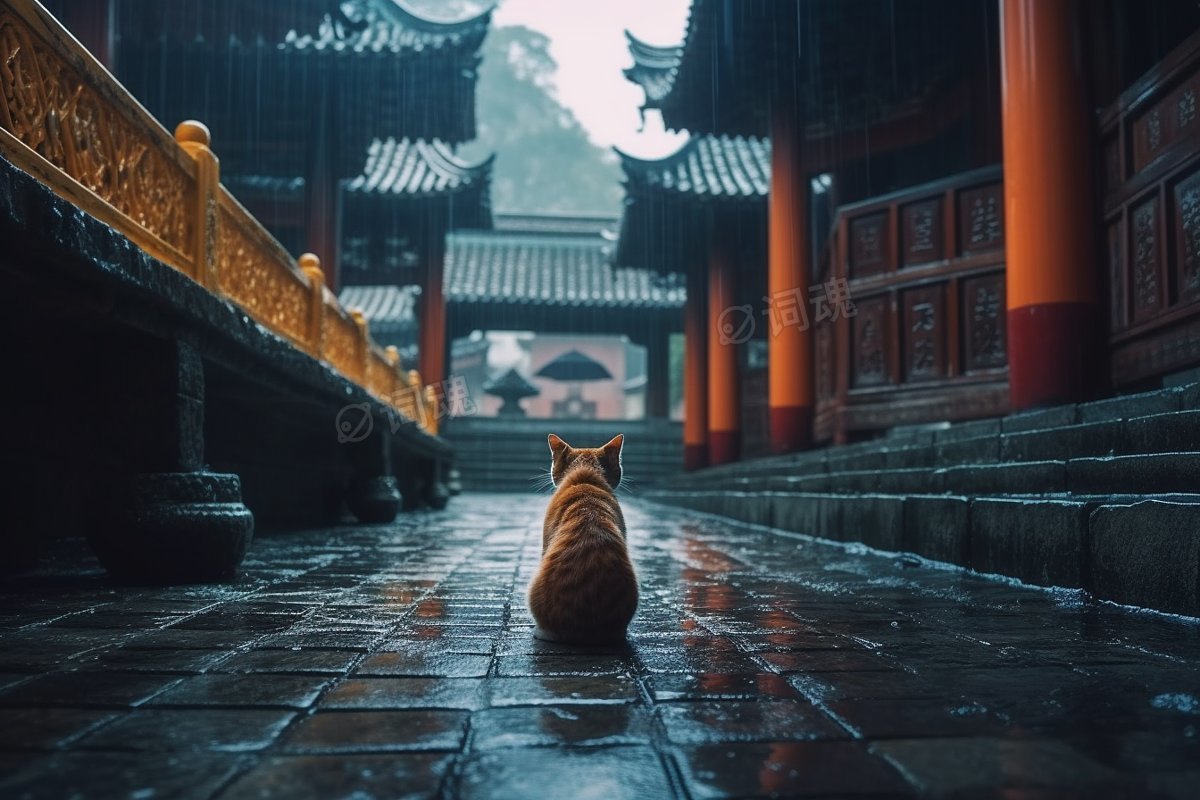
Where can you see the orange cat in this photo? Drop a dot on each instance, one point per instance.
(585, 590)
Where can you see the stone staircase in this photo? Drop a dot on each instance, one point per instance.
(1103, 496)
(494, 454)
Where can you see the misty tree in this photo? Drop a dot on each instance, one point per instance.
(545, 161)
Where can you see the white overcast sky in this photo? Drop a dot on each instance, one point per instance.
(587, 39)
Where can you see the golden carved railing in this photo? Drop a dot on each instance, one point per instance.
(65, 120)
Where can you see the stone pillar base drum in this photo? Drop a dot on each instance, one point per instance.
(375, 500)
(437, 496)
(178, 527)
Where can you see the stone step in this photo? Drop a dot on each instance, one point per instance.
(1070, 441)
(1141, 549)
(1139, 474)
(1173, 432)
(1149, 474)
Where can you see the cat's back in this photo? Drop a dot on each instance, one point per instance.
(585, 589)
(583, 508)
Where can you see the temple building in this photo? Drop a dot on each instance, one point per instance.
(323, 93)
(933, 250)
(701, 212)
(397, 214)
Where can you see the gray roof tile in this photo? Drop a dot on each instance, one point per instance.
(388, 26)
(653, 68)
(717, 167)
(417, 168)
(524, 268)
(389, 309)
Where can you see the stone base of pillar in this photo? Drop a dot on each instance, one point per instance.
(375, 500)
(1053, 354)
(437, 496)
(724, 447)
(179, 527)
(791, 428)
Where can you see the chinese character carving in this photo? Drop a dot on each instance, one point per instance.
(1145, 255)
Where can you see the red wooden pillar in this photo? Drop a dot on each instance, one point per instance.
(1053, 306)
(432, 310)
(789, 347)
(695, 370)
(724, 385)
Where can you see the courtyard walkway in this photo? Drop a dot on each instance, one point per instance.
(397, 661)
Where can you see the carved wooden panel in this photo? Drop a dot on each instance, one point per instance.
(869, 332)
(1187, 237)
(1166, 123)
(1146, 284)
(1153, 220)
(826, 363)
(924, 336)
(983, 323)
(869, 245)
(923, 232)
(1117, 299)
(981, 219)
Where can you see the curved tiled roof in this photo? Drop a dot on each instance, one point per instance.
(653, 68)
(389, 309)
(389, 26)
(417, 168)
(523, 268)
(716, 167)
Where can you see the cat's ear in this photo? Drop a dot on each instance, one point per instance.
(610, 460)
(557, 445)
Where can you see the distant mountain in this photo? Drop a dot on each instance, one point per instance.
(545, 161)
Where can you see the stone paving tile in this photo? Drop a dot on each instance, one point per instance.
(235, 730)
(187, 639)
(90, 689)
(613, 773)
(11, 678)
(125, 659)
(562, 664)
(400, 693)
(721, 686)
(499, 728)
(46, 728)
(282, 691)
(788, 769)
(437, 647)
(285, 662)
(559, 689)
(84, 774)
(426, 664)
(399, 660)
(709, 721)
(392, 775)
(943, 767)
(378, 731)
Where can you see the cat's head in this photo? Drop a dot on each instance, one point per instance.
(607, 459)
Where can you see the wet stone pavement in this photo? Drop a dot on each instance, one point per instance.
(397, 661)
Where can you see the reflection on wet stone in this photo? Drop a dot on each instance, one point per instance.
(401, 661)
